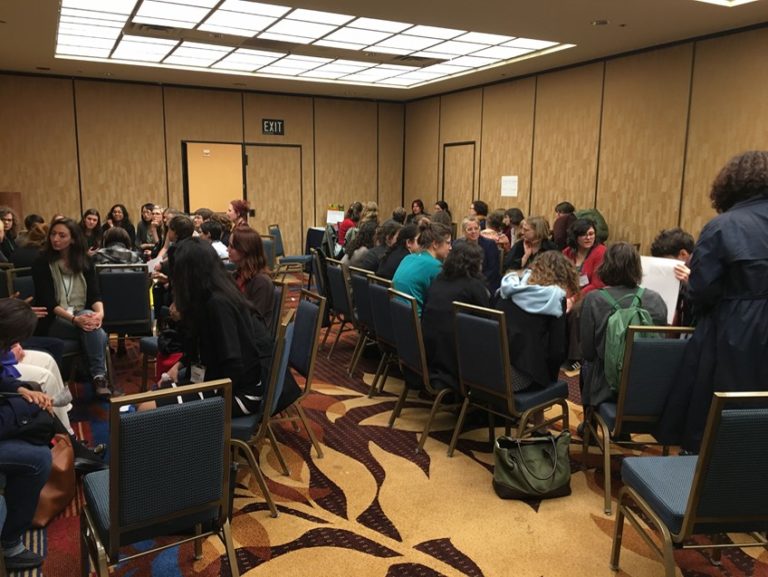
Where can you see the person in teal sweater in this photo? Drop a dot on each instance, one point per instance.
(417, 271)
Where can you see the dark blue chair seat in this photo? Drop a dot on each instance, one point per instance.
(526, 399)
(148, 346)
(244, 427)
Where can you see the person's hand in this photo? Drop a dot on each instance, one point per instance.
(528, 247)
(38, 398)
(158, 266)
(89, 321)
(40, 312)
(503, 242)
(160, 277)
(110, 224)
(18, 352)
(569, 304)
(682, 272)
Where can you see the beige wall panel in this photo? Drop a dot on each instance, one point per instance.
(122, 150)
(459, 179)
(566, 138)
(297, 113)
(645, 110)
(461, 121)
(196, 114)
(274, 183)
(346, 153)
(215, 174)
(729, 115)
(38, 149)
(422, 148)
(507, 142)
(390, 157)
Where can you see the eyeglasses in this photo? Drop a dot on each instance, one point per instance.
(589, 234)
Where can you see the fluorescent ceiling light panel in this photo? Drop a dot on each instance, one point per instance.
(342, 45)
(458, 48)
(178, 12)
(248, 24)
(320, 17)
(282, 70)
(82, 51)
(201, 3)
(95, 15)
(113, 6)
(143, 49)
(407, 42)
(481, 38)
(387, 50)
(472, 61)
(299, 28)
(529, 43)
(254, 8)
(501, 52)
(435, 32)
(446, 69)
(322, 74)
(430, 54)
(285, 38)
(380, 25)
(357, 36)
(72, 40)
(399, 81)
(92, 31)
(728, 3)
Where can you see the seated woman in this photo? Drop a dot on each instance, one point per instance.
(147, 235)
(417, 209)
(385, 237)
(222, 340)
(513, 218)
(116, 249)
(10, 223)
(460, 280)
(246, 251)
(621, 270)
(471, 228)
(406, 243)
(494, 230)
(535, 306)
(534, 242)
(65, 284)
(417, 271)
(118, 217)
(25, 256)
(358, 246)
(90, 224)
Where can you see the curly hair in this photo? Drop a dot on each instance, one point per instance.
(670, 241)
(387, 231)
(579, 227)
(552, 268)
(464, 261)
(365, 237)
(742, 177)
(370, 212)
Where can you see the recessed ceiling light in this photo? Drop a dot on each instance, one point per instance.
(501, 52)
(600, 22)
(458, 48)
(285, 38)
(179, 12)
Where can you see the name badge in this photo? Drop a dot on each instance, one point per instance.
(197, 373)
(583, 280)
(71, 310)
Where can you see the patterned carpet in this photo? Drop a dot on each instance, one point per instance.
(374, 507)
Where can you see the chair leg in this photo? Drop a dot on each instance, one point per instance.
(432, 413)
(332, 319)
(459, 425)
(491, 429)
(357, 353)
(310, 432)
(377, 375)
(144, 372)
(398, 406)
(85, 556)
(606, 447)
(618, 533)
(385, 374)
(277, 451)
(229, 545)
(585, 439)
(336, 340)
(256, 470)
(198, 542)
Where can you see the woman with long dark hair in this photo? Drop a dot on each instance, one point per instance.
(65, 284)
(417, 210)
(246, 251)
(118, 216)
(406, 243)
(147, 234)
(10, 223)
(90, 224)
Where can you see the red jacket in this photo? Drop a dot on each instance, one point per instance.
(588, 267)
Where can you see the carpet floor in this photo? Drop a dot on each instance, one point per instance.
(372, 506)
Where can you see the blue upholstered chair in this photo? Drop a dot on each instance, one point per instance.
(342, 310)
(268, 241)
(361, 303)
(248, 431)
(412, 356)
(278, 306)
(20, 281)
(382, 326)
(649, 371)
(305, 260)
(125, 294)
(482, 350)
(148, 349)
(722, 490)
(302, 356)
(168, 473)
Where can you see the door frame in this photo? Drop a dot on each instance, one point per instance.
(447, 145)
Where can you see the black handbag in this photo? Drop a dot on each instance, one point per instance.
(37, 429)
(532, 467)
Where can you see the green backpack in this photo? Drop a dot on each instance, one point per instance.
(616, 332)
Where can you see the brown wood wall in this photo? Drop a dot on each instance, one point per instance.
(640, 137)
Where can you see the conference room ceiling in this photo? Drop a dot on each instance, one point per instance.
(596, 28)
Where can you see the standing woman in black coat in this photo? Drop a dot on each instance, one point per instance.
(728, 287)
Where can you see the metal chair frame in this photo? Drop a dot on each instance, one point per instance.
(366, 332)
(343, 317)
(388, 348)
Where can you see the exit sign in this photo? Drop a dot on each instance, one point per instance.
(272, 127)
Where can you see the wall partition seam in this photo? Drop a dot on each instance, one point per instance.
(165, 148)
(378, 149)
(314, 163)
(77, 146)
(687, 133)
(599, 135)
(477, 194)
(533, 143)
(439, 189)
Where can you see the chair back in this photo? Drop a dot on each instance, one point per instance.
(482, 352)
(728, 491)
(20, 281)
(306, 336)
(181, 451)
(338, 286)
(273, 379)
(125, 294)
(274, 232)
(268, 241)
(280, 293)
(361, 298)
(382, 321)
(408, 338)
(651, 367)
(329, 241)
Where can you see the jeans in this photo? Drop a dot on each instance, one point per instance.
(94, 342)
(26, 468)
